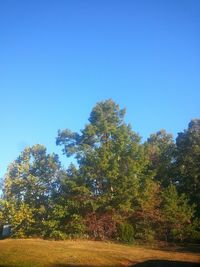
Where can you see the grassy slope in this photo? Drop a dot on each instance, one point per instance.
(35, 252)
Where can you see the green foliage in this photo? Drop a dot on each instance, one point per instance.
(58, 235)
(19, 216)
(125, 232)
(193, 231)
(187, 164)
(147, 215)
(178, 214)
(155, 186)
(110, 157)
(76, 226)
(161, 149)
(29, 186)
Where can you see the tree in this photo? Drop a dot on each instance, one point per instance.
(161, 149)
(71, 204)
(178, 215)
(110, 157)
(113, 165)
(118, 188)
(187, 164)
(29, 184)
(146, 217)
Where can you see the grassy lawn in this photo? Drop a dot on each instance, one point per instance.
(36, 252)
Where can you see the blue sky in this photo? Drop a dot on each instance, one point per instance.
(58, 58)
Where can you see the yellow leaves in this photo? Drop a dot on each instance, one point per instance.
(23, 214)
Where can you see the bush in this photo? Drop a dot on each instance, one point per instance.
(125, 232)
(192, 231)
(149, 235)
(194, 237)
(76, 226)
(145, 234)
(58, 235)
(101, 226)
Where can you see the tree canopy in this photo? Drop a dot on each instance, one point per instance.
(119, 188)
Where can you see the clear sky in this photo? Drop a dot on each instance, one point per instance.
(59, 57)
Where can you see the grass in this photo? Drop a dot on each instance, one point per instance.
(36, 252)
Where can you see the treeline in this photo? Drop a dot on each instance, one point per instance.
(120, 188)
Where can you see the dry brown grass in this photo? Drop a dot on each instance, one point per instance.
(36, 252)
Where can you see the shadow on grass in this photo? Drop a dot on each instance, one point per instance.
(149, 263)
(185, 248)
(190, 248)
(165, 263)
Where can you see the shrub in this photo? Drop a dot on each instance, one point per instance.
(58, 235)
(145, 234)
(125, 232)
(76, 226)
(101, 226)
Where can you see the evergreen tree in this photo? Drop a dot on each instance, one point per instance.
(178, 215)
(187, 165)
(110, 157)
(113, 165)
(161, 149)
